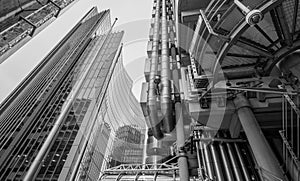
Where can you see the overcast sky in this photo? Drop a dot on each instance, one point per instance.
(133, 17)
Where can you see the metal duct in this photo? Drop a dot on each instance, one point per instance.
(203, 158)
(217, 163)
(244, 169)
(166, 101)
(154, 146)
(209, 164)
(152, 89)
(235, 164)
(228, 169)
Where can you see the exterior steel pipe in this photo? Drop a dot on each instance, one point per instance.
(152, 92)
(199, 158)
(235, 164)
(217, 163)
(241, 160)
(226, 161)
(200, 165)
(203, 159)
(261, 149)
(209, 163)
(182, 159)
(166, 101)
(55, 129)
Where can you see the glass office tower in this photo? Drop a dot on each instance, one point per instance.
(127, 147)
(52, 122)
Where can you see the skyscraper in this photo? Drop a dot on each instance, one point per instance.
(127, 147)
(51, 122)
(22, 19)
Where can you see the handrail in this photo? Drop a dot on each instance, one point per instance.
(289, 148)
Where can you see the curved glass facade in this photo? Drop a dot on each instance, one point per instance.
(65, 120)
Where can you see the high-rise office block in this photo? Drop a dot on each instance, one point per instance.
(52, 122)
(22, 19)
(127, 147)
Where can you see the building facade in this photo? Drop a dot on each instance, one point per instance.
(52, 122)
(127, 147)
(20, 20)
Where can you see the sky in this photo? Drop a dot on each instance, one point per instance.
(133, 17)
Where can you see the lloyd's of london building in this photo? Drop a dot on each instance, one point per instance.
(59, 123)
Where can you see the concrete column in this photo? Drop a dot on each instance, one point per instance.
(260, 147)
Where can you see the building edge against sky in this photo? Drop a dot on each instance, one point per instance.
(22, 20)
(56, 118)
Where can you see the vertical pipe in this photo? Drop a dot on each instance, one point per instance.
(209, 164)
(264, 155)
(228, 169)
(205, 169)
(200, 165)
(298, 131)
(182, 160)
(152, 97)
(241, 160)
(217, 163)
(166, 103)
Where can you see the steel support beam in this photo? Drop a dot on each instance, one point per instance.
(30, 23)
(261, 149)
(236, 34)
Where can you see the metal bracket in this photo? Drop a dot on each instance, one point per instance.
(56, 5)
(210, 29)
(29, 22)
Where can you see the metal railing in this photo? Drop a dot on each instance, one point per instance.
(290, 135)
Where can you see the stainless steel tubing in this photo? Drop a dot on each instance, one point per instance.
(235, 164)
(241, 160)
(199, 159)
(182, 160)
(217, 163)
(166, 101)
(261, 149)
(152, 97)
(200, 165)
(209, 164)
(226, 161)
(203, 159)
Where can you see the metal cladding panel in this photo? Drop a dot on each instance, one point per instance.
(7, 6)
